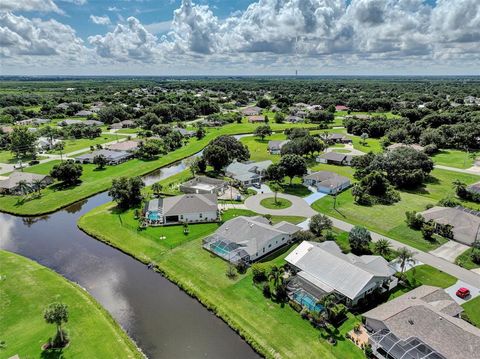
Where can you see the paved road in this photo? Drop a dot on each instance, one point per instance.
(301, 208)
(468, 171)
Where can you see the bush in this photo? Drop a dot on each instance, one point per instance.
(449, 201)
(428, 229)
(34, 162)
(241, 267)
(475, 256)
(414, 220)
(266, 291)
(259, 271)
(296, 307)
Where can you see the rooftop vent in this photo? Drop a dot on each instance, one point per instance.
(411, 321)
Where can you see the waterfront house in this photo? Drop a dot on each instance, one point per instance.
(204, 184)
(13, 183)
(113, 157)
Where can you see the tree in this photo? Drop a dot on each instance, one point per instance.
(275, 187)
(275, 275)
(320, 223)
(264, 102)
(216, 156)
(59, 146)
(127, 192)
(364, 137)
(275, 172)
(382, 247)
(301, 236)
(460, 188)
(57, 313)
(279, 117)
(428, 229)
(328, 303)
(294, 165)
(405, 257)
(67, 172)
(221, 151)
(101, 161)
(263, 131)
(24, 188)
(148, 150)
(157, 188)
(37, 185)
(200, 133)
(23, 142)
(359, 239)
(200, 164)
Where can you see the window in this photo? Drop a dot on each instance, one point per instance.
(200, 215)
(263, 249)
(269, 245)
(181, 216)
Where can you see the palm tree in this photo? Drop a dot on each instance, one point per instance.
(383, 247)
(405, 256)
(275, 275)
(157, 188)
(328, 303)
(23, 187)
(37, 185)
(459, 186)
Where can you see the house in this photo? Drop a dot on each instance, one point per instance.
(184, 132)
(341, 108)
(203, 184)
(394, 146)
(113, 157)
(256, 119)
(294, 119)
(359, 116)
(327, 182)
(335, 158)
(92, 123)
(127, 146)
(474, 188)
(70, 122)
(252, 111)
(322, 268)
(246, 239)
(186, 208)
(465, 223)
(122, 124)
(423, 323)
(275, 147)
(247, 173)
(12, 184)
(44, 143)
(335, 138)
(84, 113)
(62, 106)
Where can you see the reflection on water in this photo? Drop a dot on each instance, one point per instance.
(163, 320)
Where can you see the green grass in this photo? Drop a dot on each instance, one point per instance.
(465, 260)
(274, 330)
(371, 144)
(280, 203)
(27, 288)
(94, 181)
(8, 157)
(472, 309)
(390, 220)
(453, 158)
(259, 149)
(72, 145)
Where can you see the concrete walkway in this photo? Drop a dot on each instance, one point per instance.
(298, 208)
(469, 171)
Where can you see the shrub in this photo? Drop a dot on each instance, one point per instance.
(475, 256)
(428, 229)
(266, 291)
(259, 271)
(34, 162)
(241, 267)
(414, 220)
(449, 201)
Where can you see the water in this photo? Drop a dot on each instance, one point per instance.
(164, 321)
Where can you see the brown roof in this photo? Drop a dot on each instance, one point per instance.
(123, 146)
(256, 119)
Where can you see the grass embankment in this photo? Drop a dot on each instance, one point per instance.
(55, 197)
(72, 145)
(275, 331)
(390, 220)
(280, 203)
(27, 288)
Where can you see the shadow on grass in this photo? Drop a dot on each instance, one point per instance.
(52, 354)
(61, 186)
(296, 189)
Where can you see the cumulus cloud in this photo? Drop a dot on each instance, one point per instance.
(100, 20)
(126, 42)
(29, 5)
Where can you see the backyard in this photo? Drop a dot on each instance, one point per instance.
(26, 293)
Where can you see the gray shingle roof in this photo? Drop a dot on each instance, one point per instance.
(110, 155)
(189, 203)
(13, 180)
(348, 274)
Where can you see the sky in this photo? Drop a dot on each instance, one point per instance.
(241, 37)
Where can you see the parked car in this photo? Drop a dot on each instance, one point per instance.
(463, 292)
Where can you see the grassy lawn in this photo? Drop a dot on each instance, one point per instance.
(472, 309)
(465, 260)
(27, 288)
(270, 202)
(259, 149)
(274, 330)
(390, 220)
(453, 158)
(72, 145)
(94, 181)
(371, 144)
(8, 157)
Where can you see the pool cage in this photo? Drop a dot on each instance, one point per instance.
(226, 249)
(389, 346)
(307, 300)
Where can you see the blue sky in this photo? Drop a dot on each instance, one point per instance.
(175, 37)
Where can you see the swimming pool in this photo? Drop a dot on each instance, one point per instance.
(308, 301)
(153, 216)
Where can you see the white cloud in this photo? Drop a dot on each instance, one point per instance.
(100, 20)
(29, 5)
(76, 2)
(127, 42)
(159, 27)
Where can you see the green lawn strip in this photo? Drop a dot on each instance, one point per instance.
(259, 148)
(280, 203)
(371, 144)
(465, 260)
(453, 158)
(171, 185)
(8, 157)
(273, 330)
(472, 310)
(94, 181)
(390, 220)
(346, 171)
(27, 288)
(72, 145)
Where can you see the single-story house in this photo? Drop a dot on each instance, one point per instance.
(423, 323)
(247, 173)
(275, 147)
(186, 208)
(322, 268)
(252, 111)
(256, 119)
(184, 132)
(341, 108)
(335, 158)
(204, 184)
(335, 138)
(128, 146)
(44, 143)
(359, 116)
(465, 223)
(212, 123)
(70, 122)
(6, 129)
(92, 123)
(62, 106)
(84, 113)
(474, 188)
(293, 119)
(113, 157)
(327, 182)
(11, 184)
(122, 124)
(249, 238)
(417, 148)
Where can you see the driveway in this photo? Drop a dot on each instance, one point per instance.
(263, 189)
(474, 292)
(314, 197)
(450, 250)
(298, 208)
